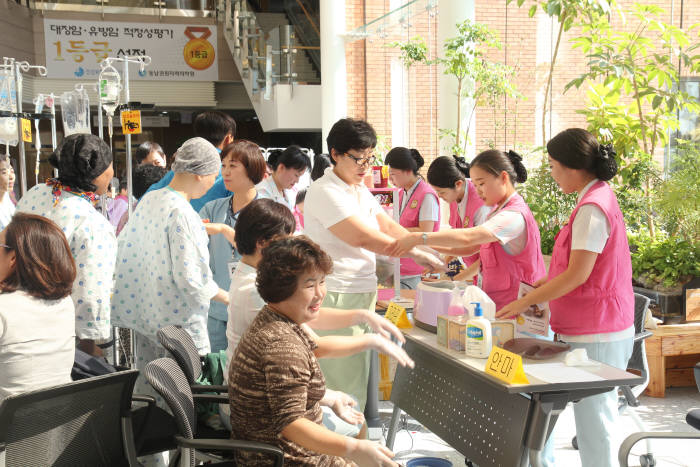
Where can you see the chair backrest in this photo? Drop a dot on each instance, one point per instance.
(182, 348)
(168, 379)
(85, 422)
(636, 361)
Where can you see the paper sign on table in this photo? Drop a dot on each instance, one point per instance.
(26, 130)
(131, 122)
(397, 315)
(506, 366)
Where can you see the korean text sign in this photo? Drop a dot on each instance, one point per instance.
(179, 52)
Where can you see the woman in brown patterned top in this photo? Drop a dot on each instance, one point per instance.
(275, 382)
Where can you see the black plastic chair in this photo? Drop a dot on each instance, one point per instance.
(182, 348)
(692, 418)
(85, 422)
(170, 382)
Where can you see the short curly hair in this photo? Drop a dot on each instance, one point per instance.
(284, 261)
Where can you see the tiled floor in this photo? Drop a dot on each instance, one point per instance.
(666, 414)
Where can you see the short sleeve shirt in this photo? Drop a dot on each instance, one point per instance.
(590, 229)
(93, 245)
(274, 380)
(509, 228)
(329, 200)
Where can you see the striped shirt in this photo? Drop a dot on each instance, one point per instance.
(274, 379)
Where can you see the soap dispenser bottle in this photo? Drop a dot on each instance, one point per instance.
(478, 334)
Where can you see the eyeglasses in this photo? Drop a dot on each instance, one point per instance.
(2, 245)
(363, 161)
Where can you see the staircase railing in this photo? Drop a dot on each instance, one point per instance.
(262, 61)
(306, 19)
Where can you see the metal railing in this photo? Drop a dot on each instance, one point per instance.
(262, 60)
(306, 20)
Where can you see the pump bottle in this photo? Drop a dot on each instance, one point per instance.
(479, 340)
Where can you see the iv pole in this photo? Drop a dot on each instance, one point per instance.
(143, 61)
(18, 68)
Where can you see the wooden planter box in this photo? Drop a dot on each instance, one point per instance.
(672, 352)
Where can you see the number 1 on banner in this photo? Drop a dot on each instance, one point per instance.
(397, 315)
(506, 366)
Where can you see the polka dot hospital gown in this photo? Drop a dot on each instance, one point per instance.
(93, 245)
(162, 275)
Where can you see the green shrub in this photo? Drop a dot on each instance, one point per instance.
(665, 263)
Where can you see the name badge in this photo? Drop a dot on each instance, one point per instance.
(414, 204)
(232, 265)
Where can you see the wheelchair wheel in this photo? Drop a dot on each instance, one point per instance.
(574, 443)
(647, 460)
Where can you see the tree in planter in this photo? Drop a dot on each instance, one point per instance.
(566, 13)
(478, 78)
(635, 106)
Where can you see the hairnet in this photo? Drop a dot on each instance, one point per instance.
(81, 158)
(197, 156)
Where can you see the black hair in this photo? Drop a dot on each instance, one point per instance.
(214, 126)
(349, 133)
(321, 163)
(145, 149)
(144, 176)
(301, 196)
(123, 184)
(576, 148)
(263, 219)
(292, 158)
(80, 158)
(494, 162)
(404, 159)
(446, 171)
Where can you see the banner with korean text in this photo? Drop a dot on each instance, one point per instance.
(179, 52)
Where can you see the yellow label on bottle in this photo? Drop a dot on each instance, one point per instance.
(506, 366)
(26, 130)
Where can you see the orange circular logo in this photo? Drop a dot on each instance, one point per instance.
(198, 53)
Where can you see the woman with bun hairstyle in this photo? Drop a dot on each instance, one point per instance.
(419, 207)
(449, 176)
(589, 286)
(508, 242)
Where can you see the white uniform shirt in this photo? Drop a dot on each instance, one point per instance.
(93, 246)
(37, 342)
(509, 228)
(163, 275)
(7, 210)
(244, 305)
(268, 189)
(429, 208)
(330, 200)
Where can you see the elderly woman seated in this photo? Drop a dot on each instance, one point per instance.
(37, 317)
(275, 383)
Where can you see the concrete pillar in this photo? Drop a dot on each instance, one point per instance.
(450, 13)
(334, 90)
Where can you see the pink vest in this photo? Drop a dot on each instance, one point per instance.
(409, 218)
(501, 272)
(473, 205)
(605, 302)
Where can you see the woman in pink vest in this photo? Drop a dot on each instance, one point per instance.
(419, 207)
(589, 286)
(449, 176)
(508, 241)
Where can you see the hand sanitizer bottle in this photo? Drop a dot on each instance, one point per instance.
(455, 308)
(478, 334)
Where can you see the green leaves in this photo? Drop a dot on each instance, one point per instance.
(413, 51)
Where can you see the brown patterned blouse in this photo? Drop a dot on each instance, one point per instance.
(274, 379)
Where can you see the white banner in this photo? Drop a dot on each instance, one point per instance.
(179, 52)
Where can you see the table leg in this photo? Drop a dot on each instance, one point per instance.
(543, 417)
(372, 405)
(393, 426)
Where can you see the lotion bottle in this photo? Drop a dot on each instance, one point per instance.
(478, 334)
